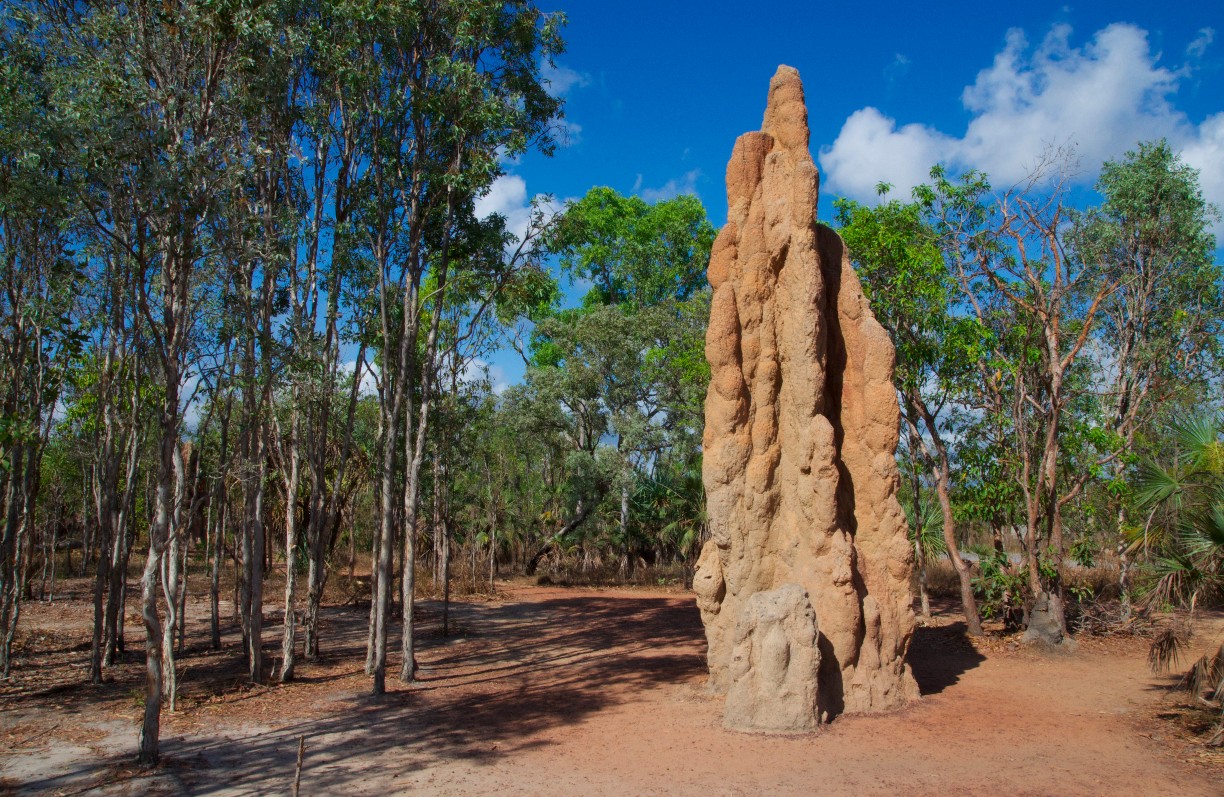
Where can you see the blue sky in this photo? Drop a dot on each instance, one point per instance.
(656, 93)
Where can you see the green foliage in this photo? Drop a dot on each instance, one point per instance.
(634, 252)
(927, 528)
(1084, 552)
(615, 386)
(999, 587)
(897, 254)
(1185, 501)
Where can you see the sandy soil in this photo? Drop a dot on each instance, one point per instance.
(570, 691)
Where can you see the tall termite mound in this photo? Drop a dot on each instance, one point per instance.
(800, 436)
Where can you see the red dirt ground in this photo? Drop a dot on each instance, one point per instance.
(577, 691)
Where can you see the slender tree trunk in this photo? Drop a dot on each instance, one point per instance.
(255, 574)
(1124, 593)
(170, 581)
(409, 666)
(916, 446)
(10, 569)
(382, 572)
(171, 575)
(941, 470)
(114, 596)
(243, 576)
(214, 588)
(149, 745)
(919, 521)
(372, 628)
(151, 728)
(392, 401)
(105, 478)
(123, 532)
(310, 627)
(97, 643)
(182, 593)
(291, 534)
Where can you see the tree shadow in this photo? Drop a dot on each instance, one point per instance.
(939, 655)
(524, 670)
(520, 671)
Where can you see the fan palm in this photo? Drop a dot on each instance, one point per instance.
(1187, 497)
(927, 529)
(1185, 501)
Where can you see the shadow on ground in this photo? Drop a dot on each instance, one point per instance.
(521, 670)
(939, 655)
(504, 682)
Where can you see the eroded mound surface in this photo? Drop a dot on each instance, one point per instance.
(801, 429)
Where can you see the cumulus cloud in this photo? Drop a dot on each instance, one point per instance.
(560, 80)
(476, 370)
(1205, 152)
(1102, 98)
(871, 149)
(508, 197)
(685, 184)
(1197, 48)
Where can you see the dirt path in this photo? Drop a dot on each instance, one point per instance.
(562, 692)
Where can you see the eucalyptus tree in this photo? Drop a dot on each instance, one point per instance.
(1160, 330)
(448, 90)
(631, 356)
(897, 254)
(634, 252)
(505, 280)
(1039, 304)
(104, 410)
(603, 380)
(38, 283)
(148, 88)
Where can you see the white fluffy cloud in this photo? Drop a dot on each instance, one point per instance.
(871, 149)
(560, 80)
(1102, 98)
(477, 370)
(1205, 152)
(508, 197)
(685, 184)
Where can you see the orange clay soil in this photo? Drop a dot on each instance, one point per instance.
(552, 691)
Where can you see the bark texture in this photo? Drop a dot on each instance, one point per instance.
(802, 423)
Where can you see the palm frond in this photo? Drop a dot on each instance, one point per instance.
(1199, 438)
(1166, 649)
(928, 529)
(1213, 527)
(1206, 674)
(1172, 581)
(1156, 485)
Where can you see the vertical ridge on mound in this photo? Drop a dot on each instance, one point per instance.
(801, 427)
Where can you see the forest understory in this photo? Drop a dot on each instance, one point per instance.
(585, 690)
